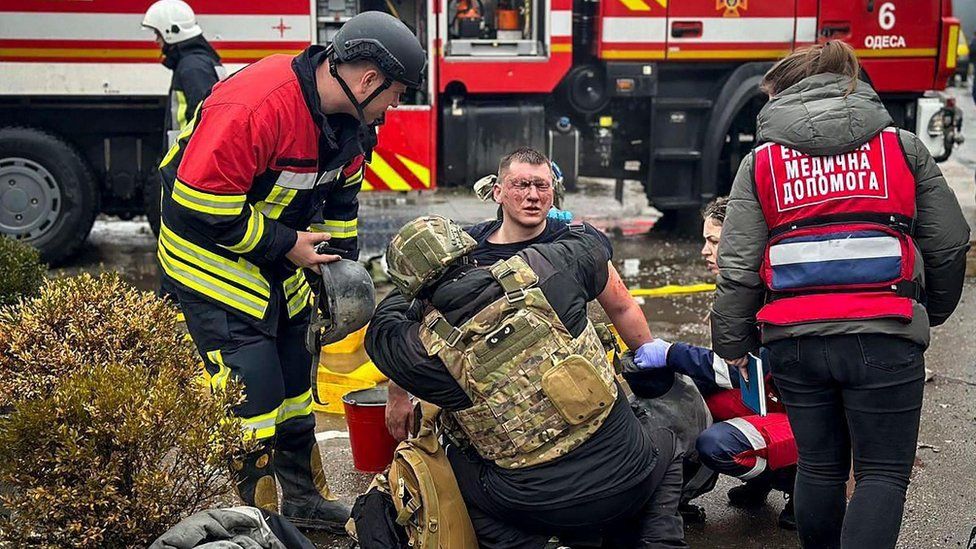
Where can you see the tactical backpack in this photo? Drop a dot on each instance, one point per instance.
(425, 492)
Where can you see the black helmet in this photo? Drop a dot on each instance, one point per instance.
(385, 40)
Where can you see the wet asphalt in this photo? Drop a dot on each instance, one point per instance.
(941, 507)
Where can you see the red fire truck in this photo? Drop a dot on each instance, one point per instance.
(663, 92)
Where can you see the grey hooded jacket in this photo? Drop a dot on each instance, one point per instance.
(816, 116)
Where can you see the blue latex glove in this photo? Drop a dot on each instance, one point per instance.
(652, 355)
(560, 215)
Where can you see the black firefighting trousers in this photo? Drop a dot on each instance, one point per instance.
(275, 370)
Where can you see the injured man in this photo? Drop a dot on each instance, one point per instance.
(538, 432)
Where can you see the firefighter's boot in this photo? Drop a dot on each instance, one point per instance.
(753, 493)
(307, 501)
(254, 478)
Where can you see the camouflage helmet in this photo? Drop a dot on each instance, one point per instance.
(423, 249)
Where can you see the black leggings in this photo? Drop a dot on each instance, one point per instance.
(844, 392)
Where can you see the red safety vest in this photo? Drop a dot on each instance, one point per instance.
(840, 245)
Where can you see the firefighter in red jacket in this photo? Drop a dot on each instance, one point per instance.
(844, 244)
(269, 168)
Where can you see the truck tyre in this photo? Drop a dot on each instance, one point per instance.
(48, 196)
(152, 190)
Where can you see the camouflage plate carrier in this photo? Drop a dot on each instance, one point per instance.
(538, 392)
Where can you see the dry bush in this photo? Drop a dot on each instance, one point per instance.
(21, 270)
(112, 437)
(85, 321)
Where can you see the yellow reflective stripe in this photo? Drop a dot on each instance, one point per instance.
(298, 301)
(278, 199)
(172, 152)
(951, 52)
(262, 426)
(183, 135)
(255, 229)
(214, 204)
(293, 283)
(180, 109)
(355, 178)
(210, 286)
(297, 292)
(241, 271)
(344, 234)
(341, 229)
(224, 199)
(219, 380)
(300, 405)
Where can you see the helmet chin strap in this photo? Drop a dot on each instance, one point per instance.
(333, 69)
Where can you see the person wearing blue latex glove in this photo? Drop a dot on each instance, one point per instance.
(653, 354)
(560, 215)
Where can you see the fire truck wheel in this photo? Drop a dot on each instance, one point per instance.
(151, 194)
(48, 196)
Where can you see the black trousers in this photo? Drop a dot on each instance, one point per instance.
(275, 370)
(644, 516)
(843, 394)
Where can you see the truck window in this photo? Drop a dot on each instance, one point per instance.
(496, 28)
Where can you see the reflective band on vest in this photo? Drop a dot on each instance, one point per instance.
(837, 257)
(834, 255)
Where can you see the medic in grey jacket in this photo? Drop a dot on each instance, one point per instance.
(940, 232)
(842, 245)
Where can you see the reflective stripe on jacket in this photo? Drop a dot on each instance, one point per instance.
(258, 162)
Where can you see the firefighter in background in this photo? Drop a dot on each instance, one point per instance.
(196, 66)
(268, 170)
(759, 450)
(547, 443)
(844, 244)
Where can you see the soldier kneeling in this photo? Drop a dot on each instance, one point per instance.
(540, 436)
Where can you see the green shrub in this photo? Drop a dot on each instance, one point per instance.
(21, 270)
(112, 437)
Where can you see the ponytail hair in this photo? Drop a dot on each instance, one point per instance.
(830, 57)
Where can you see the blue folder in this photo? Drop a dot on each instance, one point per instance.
(754, 390)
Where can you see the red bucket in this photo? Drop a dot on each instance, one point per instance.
(372, 445)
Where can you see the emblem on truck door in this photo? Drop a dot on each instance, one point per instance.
(731, 7)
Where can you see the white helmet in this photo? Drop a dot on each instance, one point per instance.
(173, 20)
